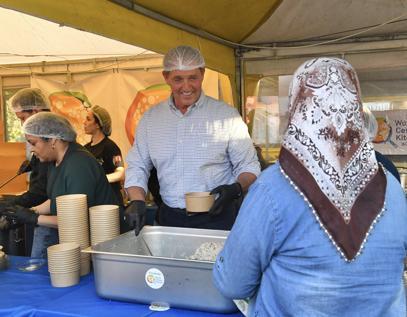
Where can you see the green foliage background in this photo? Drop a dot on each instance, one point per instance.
(13, 129)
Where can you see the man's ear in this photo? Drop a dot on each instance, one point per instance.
(165, 75)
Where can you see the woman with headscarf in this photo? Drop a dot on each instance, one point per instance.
(98, 124)
(323, 231)
(73, 171)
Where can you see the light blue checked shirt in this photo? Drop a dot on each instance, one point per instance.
(206, 147)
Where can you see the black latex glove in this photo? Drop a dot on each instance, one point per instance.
(5, 203)
(227, 193)
(7, 223)
(24, 168)
(21, 215)
(4, 223)
(135, 215)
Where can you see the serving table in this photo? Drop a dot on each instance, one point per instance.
(31, 294)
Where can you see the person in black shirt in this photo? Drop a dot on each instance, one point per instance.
(25, 103)
(98, 124)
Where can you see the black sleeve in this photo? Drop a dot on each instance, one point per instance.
(37, 189)
(29, 199)
(38, 177)
(114, 149)
(112, 157)
(388, 164)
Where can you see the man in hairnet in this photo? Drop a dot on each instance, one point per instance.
(25, 103)
(197, 144)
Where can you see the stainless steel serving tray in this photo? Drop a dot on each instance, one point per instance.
(155, 268)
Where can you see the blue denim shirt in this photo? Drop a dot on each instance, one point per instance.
(277, 255)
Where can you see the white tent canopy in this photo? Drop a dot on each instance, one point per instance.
(369, 34)
(27, 39)
(297, 21)
(232, 43)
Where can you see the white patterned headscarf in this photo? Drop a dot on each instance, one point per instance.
(327, 136)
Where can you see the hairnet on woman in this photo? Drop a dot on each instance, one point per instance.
(73, 170)
(51, 126)
(327, 224)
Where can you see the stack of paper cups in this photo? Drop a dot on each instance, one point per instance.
(73, 224)
(104, 223)
(64, 264)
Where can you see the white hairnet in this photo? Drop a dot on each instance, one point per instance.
(29, 99)
(103, 118)
(183, 58)
(370, 123)
(49, 125)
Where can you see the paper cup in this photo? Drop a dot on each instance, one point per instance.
(64, 279)
(199, 201)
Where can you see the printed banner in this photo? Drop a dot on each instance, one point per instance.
(125, 94)
(391, 137)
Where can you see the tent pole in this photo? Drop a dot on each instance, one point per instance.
(239, 81)
(131, 5)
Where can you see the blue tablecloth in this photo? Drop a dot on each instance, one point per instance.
(31, 294)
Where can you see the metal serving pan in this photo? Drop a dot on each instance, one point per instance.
(156, 268)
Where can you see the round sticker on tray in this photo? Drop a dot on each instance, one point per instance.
(154, 278)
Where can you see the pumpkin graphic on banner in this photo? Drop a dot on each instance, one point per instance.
(144, 100)
(72, 105)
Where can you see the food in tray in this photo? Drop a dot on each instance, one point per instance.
(207, 251)
(181, 264)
